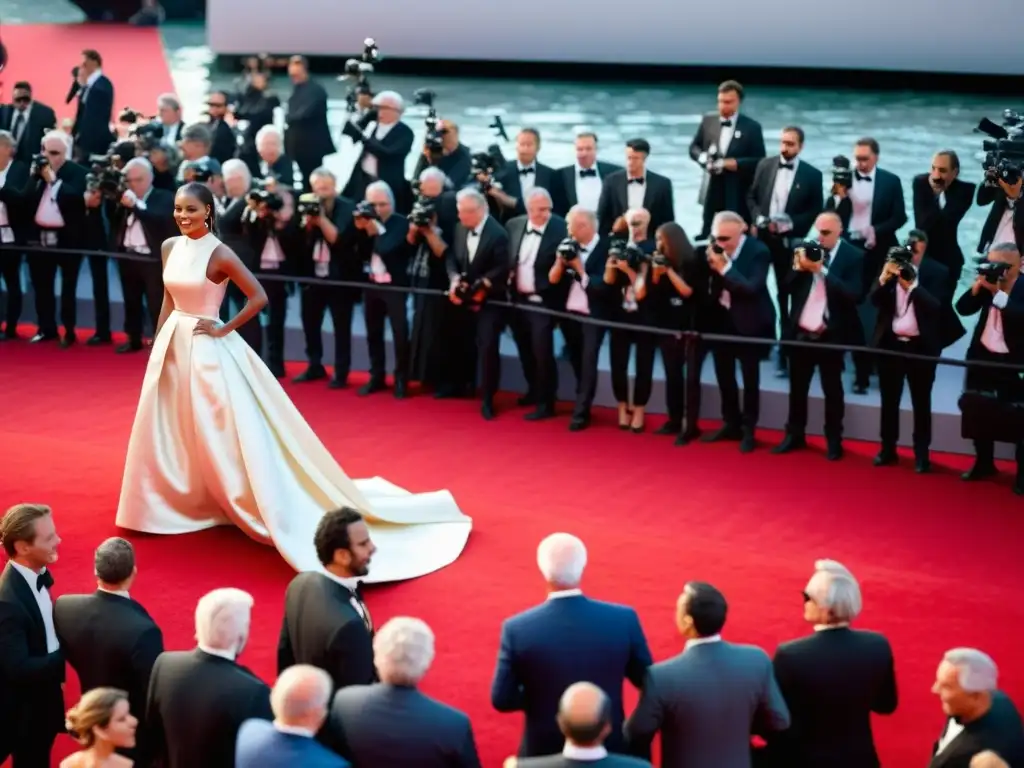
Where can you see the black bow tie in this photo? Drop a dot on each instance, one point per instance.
(639, 180)
(727, 123)
(863, 178)
(524, 171)
(585, 172)
(536, 232)
(357, 590)
(474, 233)
(45, 579)
(785, 166)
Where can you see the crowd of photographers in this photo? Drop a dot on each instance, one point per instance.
(487, 244)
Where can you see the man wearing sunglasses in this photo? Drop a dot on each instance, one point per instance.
(27, 120)
(224, 140)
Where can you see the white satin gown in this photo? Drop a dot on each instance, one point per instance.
(216, 441)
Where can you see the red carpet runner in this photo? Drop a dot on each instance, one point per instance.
(939, 560)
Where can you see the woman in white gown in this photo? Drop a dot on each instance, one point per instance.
(216, 441)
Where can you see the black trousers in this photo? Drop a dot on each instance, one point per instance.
(30, 751)
(829, 362)
(42, 269)
(726, 355)
(782, 266)
(919, 376)
(141, 281)
(277, 313)
(489, 323)
(251, 332)
(865, 363)
(534, 334)
(673, 358)
(379, 306)
(584, 341)
(10, 274)
(317, 300)
(620, 343)
(99, 271)
(1007, 386)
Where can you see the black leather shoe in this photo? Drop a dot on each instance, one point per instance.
(723, 433)
(370, 387)
(668, 428)
(747, 442)
(399, 391)
(922, 463)
(526, 400)
(860, 389)
(128, 347)
(579, 423)
(687, 437)
(338, 382)
(42, 337)
(834, 449)
(98, 339)
(277, 371)
(789, 443)
(979, 472)
(886, 457)
(542, 412)
(69, 340)
(312, 373)
(487, 410)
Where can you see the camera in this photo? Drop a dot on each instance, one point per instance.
(198, 171)
(903, 257)
(263, 196)
(365, 210)
(433, 142)
(716, 248)
(357, 73)
(842, 172)
(484, 164)
(810, 250)
(422, 212)
(993, 271)
(39, 162)
(308, 205)
(105, 176)
(464, 291)
(658, 259)
(631, 253)
(1004, 153)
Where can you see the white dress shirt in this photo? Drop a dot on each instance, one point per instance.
(861, 196)
(728, 131)
(904, 323)
(702, 641)
(1005, 232)
(89, 83)
(587, 754)
(992, 337)
(217, 652)
(378, 269)
(6, 233)
(588, 190)
(578, 301)
(815, 312)
(134, 235)
(526, 279)
(119, 592)
(635, 193)
(823, 627)
(725, 299)
(783, 186)
(272, 257)
(360, 607)
(953, 729)
(564, 593)
(370, 163)
(48, 215)
(44, 601)
(473, 238)
(293, 730)
(527, 181)
(171, 135)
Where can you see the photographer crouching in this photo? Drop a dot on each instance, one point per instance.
(383, 233)
(997, 296)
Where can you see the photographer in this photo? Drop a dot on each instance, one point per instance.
(230, 210)
(273, 163)
(384, 151)
(838, 198)
(224, 142)
(667, 289)
(533, 241)
(997, 296)
(581, 263)
(143, 219)
(195, 143)
(454, 158)
(825, 282)
(515, 180)
(389, 265)
(165, 163)
(1002, 190)
(620, 275)
(478, 269)
(941, 200)
(330, 234)
(912, 297)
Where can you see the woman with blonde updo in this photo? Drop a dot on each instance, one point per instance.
(101, 723)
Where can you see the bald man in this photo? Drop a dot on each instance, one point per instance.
(585, 719)
(299, 700)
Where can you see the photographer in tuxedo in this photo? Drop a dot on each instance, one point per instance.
(389, 265)
(478, 269)
(825, 283)
(783, 200)
(580, 262)
(997, 297)
(533, 242)
(581, 182)
(941, 200)
(728, 146)
(142, 221)
(1003, 190)
(108, 638)
(740, 306)
(914, 317)
(633, 188)
(515, 180)
(14, 176)
(384, 151)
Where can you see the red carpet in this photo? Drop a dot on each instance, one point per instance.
(939, 560)
(43, 54)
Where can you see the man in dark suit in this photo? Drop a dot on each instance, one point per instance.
(13, 180)
(108, 638)
(224, 145)
(31, 661)
(980, 716)
(361, 725)
(632, 188)
(1005, 221)
(566, 639)
(941, 199)
(832, 680)
(914, 317)
(728, 146)
(326, 623)
(27, 120)
(741, 307)
(783, 200)
(585, 719)
(706, 701)
(581, 182)
(390, 251)
(515, 180)
(533, 242)
(307, 138)
(300, 700)
(91, 132)
(478, 267)
(384, 152)
(825, 284)
(199, 699)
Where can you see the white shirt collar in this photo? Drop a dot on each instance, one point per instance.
(217, 652)
(589, 247)
(93, 78)
(119, 592)
(349, 583)
(28, 574)
(574, 752)
(739, 247)
(823, 627)
(294, 730)
(540, 229)
(564, 593)
(479, 228)
(702, 641)
(794, 162)
(733, 119)
(522, 167)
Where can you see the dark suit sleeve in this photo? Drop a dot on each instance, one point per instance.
(755, 282)
(746, 165)
(971, 303)
(259, 706)
(754, 192)
(497, 275)
(351, 656)
(639, 653)
(156, 738)
(396, 149)
(987, 195)
(144, 655)
(881, 295)
(925, 300)
(898, 214)
(468, 756)
(285, 653)
(886, 698)
(604, 208)
(848, 280)
(16, 664)
(506, 691)
(804, 220)
(772, 712)
(641, 726)
(697, 145)
(926, 204)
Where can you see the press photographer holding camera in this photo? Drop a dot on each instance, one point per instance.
(997, 296)
(1002, 190)
(941, 200)
(230, 209)
(385, 148)
(273, 163)
(448, 154)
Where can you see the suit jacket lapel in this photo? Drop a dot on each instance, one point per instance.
(876, 195)
(569, 184)
(542, 177)
(769, 189)
(623, 192)
(713, 129)
(516, 236)
(950, 751)
(649, 193)
(24, 593)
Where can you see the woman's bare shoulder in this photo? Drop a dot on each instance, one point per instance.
(75, 760)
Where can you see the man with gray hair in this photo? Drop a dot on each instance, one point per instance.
(980, 716)
(299, 699)
(13, 178)
(387, 142)
(199, 699)
(567, 638)
(833, 680)
(361, 725)
(169, 115)
(108, 638)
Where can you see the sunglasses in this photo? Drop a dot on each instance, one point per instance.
(825, 232)
(22, 99)
(721, 238)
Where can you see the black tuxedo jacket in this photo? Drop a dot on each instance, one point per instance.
(554, 233)
(728, 191)
(888, 208)
(932, 307)
(257, 109)
(560, 761)
(91, 132)
(990, 195)
(157, 221)
(843, 208)
(173, 133)
(31, 699)
(564, 193)
(41, 119)
(225, 142)
(508, 177)
(600, 296)
(456, 166)
(12, 195)
(805, 196)
(832, 681)
(391, 153)
(1013, 319)
(349, 253)
(70, 201)
(998, 730)
(491, 261)
(751, 311)
(844, 285)
(394, 250)
(307, 137)
(321, 627)
(614, 202)
(197, 702)
(941, 224)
